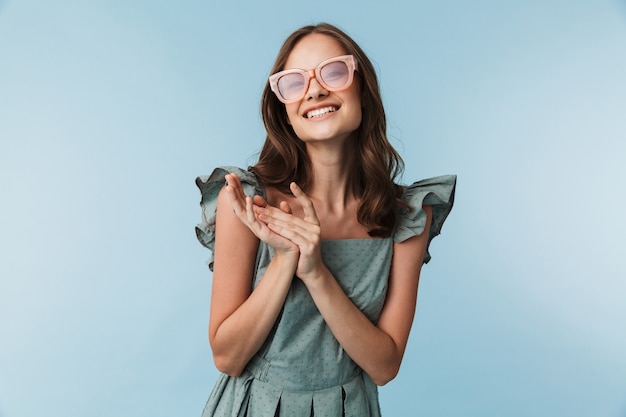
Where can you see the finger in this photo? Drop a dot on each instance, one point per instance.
(309, 210)
(278, 215)
(259, 201)
(283, 211)
(237, 201)
(244, 208)
(285, 207)
(283, 216)
(300, 237)
(233, 182)
(293, 228)
(231, 185)
(238, 197)
(250, 211)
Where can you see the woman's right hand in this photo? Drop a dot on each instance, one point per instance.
(244, 208)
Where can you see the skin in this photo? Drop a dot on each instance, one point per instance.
(338, 126)
(295, 225)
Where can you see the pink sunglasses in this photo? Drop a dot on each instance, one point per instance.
(333, 74)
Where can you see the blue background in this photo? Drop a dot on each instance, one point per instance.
(109, 109)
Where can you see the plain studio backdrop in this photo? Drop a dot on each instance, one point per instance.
(109, 109)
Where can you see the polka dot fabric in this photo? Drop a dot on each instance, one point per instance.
(301, 370)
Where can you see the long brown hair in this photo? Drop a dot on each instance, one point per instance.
(284, 159)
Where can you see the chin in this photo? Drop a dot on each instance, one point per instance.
(307, 134)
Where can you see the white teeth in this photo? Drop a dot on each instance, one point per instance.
(320, 112)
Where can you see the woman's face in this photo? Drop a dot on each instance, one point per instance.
(322, 115)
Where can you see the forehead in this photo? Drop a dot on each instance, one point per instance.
(313, 49)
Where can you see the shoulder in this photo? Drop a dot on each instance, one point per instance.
(210, 187)
(430, 201)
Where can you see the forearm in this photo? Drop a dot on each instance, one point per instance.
(371, 348)
(242, 334)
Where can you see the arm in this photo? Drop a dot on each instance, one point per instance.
(377, 349)
(240, 318)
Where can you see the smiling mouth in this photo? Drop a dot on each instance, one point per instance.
(321, 112)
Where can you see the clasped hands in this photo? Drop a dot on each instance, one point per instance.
(278, 227)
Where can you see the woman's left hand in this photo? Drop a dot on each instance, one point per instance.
(303, 232)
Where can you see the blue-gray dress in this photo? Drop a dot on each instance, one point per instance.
(301, 370)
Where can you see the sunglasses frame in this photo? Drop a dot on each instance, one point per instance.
(349, 60)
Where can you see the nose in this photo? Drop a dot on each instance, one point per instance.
(315, 89)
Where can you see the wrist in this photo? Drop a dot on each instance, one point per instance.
(287, 259)
(315, 278)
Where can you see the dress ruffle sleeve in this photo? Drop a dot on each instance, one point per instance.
(437, 192)
(210, 186)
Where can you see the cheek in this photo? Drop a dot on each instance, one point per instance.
(356, 107)
(291, 112)
(357, 118)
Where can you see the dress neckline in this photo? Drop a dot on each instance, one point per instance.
(357, 239)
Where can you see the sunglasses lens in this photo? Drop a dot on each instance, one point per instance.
(335, 74)
(291, 86)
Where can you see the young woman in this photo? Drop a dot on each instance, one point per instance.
(316, 251)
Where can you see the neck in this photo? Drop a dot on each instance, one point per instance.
(332, 165)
